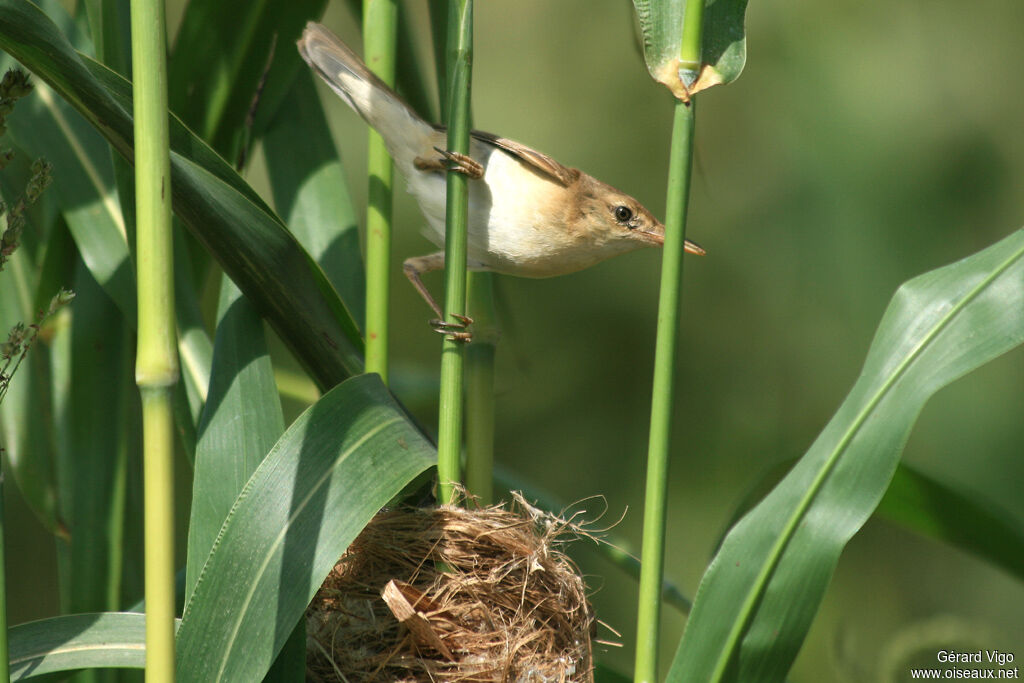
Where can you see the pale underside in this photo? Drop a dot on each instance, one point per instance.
(517, 231)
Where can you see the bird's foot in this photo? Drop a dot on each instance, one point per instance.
(456, 331)
(452, 161)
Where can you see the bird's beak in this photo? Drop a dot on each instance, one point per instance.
(656, 238)
(693, 248)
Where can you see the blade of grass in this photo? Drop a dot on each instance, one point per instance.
(241, 421)
(45, 126)
(78, 641)
(92, 463)
(761, 592)
(307, 179)
(656, 492)
(335, 467)
(89, 204)
(110, 28)
(156, 363)
(449, 437)
(944, 511)
(195, 349)
(26, 420)
(220, 55)
(949, 513)
(290, 665)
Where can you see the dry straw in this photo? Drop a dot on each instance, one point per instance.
(450, 594)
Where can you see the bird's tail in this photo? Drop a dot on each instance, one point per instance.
(406, 134)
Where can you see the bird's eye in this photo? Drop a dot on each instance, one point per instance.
(623, 214)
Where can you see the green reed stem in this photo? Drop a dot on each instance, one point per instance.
(480, 355)
(380, 22)
(655, 500)
(156, 364)
(460, 54)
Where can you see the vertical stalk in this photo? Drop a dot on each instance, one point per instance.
(380, 22)
(156, 363)
(655, 499)
(460, 54)
(481, 353)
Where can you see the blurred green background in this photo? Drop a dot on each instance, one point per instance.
(866, 142)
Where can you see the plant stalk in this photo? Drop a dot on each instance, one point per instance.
(481, 353)
(380, 23)
(156, 364)
(460, 54)
(655, 498)
(656, 494)
(652, 567)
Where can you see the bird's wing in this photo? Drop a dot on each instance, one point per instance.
(539, 161)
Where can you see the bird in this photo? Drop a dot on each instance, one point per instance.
(529, 215)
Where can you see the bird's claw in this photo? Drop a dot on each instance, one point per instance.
(461, 163)
(456, 331)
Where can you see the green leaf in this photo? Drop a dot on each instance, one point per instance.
(944, 512)
(110, 28)
(92, 460)
(195, 348)
(241, 421)
(78, 641)
(724, 49)
(310, 191)
(290, 664)
(335, 467)
(947, 513)
(84, 179)
(85, 185)
(26, 421)
(277, 275)
(222, 52)
(762, 590)
(45, 126)
(227, 216)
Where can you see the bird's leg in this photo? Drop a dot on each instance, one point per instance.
(451, 161)
(413, 268)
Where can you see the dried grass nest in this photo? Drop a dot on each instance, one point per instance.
(449, 594)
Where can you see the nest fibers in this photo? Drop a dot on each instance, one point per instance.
(448, 594)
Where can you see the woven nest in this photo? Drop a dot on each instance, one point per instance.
(449, 594)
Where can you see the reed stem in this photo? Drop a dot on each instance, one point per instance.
(156, 363)
(459, 58)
